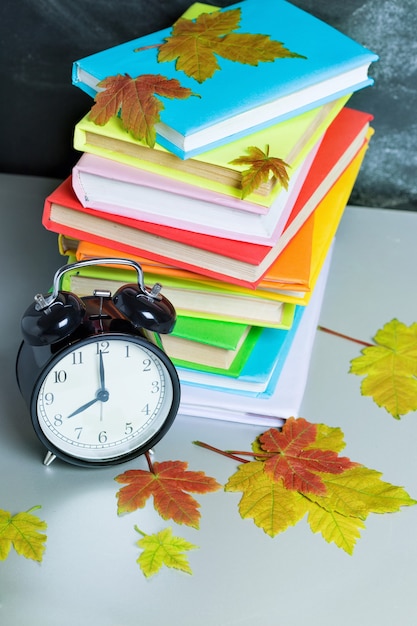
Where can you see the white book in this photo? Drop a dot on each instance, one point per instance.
(267, 409)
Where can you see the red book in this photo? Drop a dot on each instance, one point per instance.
(237, 262)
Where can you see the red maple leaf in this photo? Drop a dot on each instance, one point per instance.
(136, 102)
(296, 461)
(168, 483)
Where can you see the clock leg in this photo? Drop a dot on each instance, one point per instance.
(49, 458)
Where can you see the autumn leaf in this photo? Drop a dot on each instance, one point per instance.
(335, 527)
(390, 368)
(194, 44)
(360, 491)
(22, 531)
(295, 462)
(271, 506)
(273, 485)
(168, 483)
(163, 548)
(136, 101)
(261, 166)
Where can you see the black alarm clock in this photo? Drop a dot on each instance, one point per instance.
(99, 388)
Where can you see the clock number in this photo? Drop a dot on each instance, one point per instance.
(49, 398)
(146, 409)
(102, 437)
(77, 358)
(78, 430)
(103, 346)
(58, 420)
(147, 365)
(61, 376)
(128, 428)
(155, 386)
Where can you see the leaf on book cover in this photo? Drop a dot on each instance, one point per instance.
(168, 482)
(276, 498)
(23, 532)
(261, 166)
(136, 101)
(390, 368)
(163, 548)
(194, 45)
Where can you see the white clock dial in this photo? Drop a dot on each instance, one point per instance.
(104, 397)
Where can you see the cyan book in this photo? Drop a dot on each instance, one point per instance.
(322, 64)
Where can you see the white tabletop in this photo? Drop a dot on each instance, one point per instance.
(241, 576)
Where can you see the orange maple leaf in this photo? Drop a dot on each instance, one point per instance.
(261, 166)
(193, 44)
(168, 483)
(297, 464)
(136, 102)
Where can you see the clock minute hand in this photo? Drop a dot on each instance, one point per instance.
(102, 383)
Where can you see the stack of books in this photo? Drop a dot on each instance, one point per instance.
(220, 154)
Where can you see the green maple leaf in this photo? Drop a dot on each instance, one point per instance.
(261, 167)
(390, 368)
(194, 44)
(163, 548)
(137, 102)
(22, 531)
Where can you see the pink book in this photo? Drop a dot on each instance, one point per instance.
(119, 189)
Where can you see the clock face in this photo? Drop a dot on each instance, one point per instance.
(106, 397)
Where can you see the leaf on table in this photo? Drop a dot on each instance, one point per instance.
(335, 527)
(284, 482)
(195, 45)
(360, 491)
(271, 506)
(390, 368)
(136, 101)
(23, 532)
(163, 548)
(169, 484)
(293, 459)
(261, 167)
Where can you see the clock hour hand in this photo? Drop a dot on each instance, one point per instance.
(85, 406)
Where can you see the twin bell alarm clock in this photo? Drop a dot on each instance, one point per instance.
(99, 388)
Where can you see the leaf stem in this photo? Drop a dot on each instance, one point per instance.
(258, 455)
(334, 332)
(155, 45)
(138, 530)
(229, 455)
(34, 508)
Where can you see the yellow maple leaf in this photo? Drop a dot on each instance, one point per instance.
(335, 527)
(360, 491)
(390, 368)
(271, 506)
(194, 44)
(22, 531)
(261, 166)
(163, 548)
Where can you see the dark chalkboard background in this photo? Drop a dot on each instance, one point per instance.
(39, 106)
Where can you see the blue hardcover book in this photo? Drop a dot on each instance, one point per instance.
(266, 62)
(261, 370)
